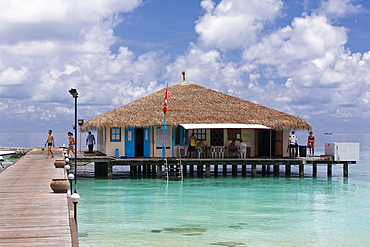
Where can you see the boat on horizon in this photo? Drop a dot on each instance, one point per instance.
(328, 133)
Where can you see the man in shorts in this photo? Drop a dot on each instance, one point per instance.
(51, 142)
(293, 142)
(90, 141)
(192, 144)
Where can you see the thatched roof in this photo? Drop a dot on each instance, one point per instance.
(192, 104)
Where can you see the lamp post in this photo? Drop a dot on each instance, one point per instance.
(74, 94)
(75, 197)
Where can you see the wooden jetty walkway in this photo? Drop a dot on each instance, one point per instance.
(31, 213)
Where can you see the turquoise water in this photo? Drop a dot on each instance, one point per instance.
(266, 211)
(7, 158)
(228, 211)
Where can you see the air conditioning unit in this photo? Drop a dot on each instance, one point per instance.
(343, 151)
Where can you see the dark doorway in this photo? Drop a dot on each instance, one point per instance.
(217, 137)
(139, 142)
(264, 143)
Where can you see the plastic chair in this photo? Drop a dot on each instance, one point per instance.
(221, 152)
(213, 152)
(200, 152)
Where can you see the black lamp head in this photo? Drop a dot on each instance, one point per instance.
(80, 122)
(73, 92)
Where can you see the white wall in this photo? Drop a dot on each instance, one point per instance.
(112, 146)
(101, 140)
(286, 134)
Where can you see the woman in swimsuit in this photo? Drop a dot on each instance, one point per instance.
(312, 139)
(71, 143)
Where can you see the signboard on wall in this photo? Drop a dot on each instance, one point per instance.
(246, 135)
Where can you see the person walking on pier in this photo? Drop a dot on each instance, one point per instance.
(51, 142)
(71, 144)
(90, 141)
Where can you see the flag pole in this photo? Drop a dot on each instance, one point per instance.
(164, 126)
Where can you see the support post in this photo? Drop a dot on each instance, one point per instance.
(110, 170)
(244, 170)
(135, 171)
(101, 169)
(154, 171)
(131, 171)
(301, 170)
(208, 171)
(199, 171)
(330, 168)
(288, 170)
(234, 170)
(215, 168)
(224, 170)
(159, 171)
(345, 170)
(268, 168)
(263, 170)
(191, 170)
(139, 170)
(254, 171)
(276, 170)
(314, 169)
(144, 170)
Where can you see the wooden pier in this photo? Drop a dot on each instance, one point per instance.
(154, 167)
(31, 213)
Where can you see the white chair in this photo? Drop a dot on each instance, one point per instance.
(221, 152)
(200, 152)
(214, 151)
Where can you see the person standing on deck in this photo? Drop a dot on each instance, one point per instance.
(293, 142)
(311, 143)
(243, 147)
(71, 143)
(51, 142)
(90, 141)
(192, 144)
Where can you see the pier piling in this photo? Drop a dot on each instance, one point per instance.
(345, 170)
(314, 169)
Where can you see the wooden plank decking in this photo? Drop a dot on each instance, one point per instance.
(31, 214)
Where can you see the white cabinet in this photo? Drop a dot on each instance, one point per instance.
(343, 151)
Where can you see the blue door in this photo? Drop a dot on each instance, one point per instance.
(147, 142)
(130, 142)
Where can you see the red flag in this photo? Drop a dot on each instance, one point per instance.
(165, 103)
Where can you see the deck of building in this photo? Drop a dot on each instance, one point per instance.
(31, 214)
(153, 167)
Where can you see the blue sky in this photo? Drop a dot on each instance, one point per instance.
(307, 58)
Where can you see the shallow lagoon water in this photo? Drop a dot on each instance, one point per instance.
(265, 211)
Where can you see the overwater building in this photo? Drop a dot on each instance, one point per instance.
(136, 129)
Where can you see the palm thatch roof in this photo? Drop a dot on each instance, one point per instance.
(192, 104)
